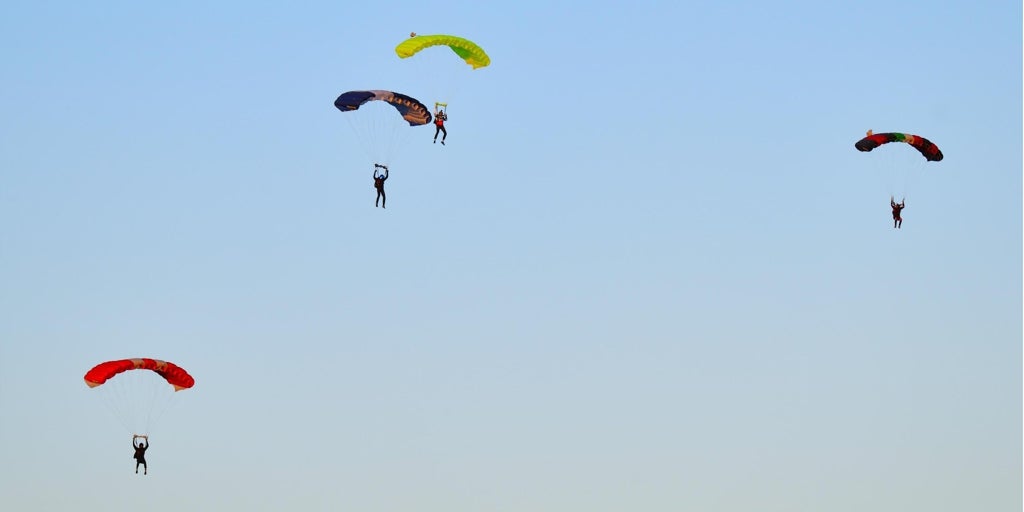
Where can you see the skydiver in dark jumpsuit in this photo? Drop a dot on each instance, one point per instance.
(140, 453)
(897, 220)
(439, 118)
(378, 183)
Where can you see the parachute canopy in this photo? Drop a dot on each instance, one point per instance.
(410, 108)
(929, 150)
(172, 373)
(466, 50)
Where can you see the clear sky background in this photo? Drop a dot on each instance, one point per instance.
(649, 271)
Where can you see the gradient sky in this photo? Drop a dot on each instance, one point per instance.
(649, 271)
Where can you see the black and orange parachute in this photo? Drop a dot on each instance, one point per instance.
(414, 112)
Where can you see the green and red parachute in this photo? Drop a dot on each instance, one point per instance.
(927, 149)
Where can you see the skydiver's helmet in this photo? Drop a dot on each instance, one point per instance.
(412, 34)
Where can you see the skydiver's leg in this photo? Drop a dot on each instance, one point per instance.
(377, 202)
(900, 223)
(437, 129)
(384, 199)
(145, 468)
(445, 132)
(137, 467)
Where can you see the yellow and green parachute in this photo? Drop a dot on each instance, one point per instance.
(466, 50)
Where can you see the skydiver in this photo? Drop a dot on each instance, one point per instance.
(439, 118)
(140, 453)
(897, 220)
(378, 183)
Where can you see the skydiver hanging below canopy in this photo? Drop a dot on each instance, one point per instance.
(140, 453)
(897, 220)
(378, 183)
(439, 118)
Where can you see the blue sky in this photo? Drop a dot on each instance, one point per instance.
(648, 271)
